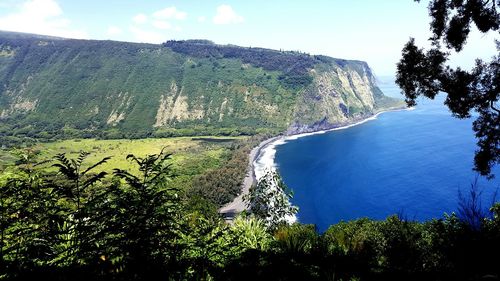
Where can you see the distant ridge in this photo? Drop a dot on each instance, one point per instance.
(21, 35)
(53, 87)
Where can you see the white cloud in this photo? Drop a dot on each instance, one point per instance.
(113, 30)
(202, 19)
(170, 13)
(226, 15)
(161, 24)
(140, 18)
(40, 17)
(146, 36)
(146, 28)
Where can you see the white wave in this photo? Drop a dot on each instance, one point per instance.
(265, 158)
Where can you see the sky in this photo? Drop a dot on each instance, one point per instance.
(368, 30)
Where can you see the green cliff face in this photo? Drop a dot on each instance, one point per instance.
(52, 87)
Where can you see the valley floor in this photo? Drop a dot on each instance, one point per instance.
(190, 156)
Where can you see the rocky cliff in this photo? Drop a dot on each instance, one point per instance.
(54, 87)
(338, 95)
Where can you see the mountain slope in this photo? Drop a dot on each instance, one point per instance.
(53, 87)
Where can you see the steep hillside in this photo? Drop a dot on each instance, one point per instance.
(54, 87)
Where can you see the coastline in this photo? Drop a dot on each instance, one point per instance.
(262, 156)
(265, 159)
(237, 205)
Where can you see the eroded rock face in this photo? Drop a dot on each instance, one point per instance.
(337, 96)
(173, 106)
(132, 88)
(20, 104)
(118, 112)
(358, 86)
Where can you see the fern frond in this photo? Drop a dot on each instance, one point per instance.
(68, 171)
(94, 179)
(131, 179)
(81, 157)
(61, 158)
(104, 160)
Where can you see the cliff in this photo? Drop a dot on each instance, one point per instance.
(53, 87)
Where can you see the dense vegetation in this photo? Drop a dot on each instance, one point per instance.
(208, 167)
(293, 65)
(220, 186)
(54, 88)
(64, 222)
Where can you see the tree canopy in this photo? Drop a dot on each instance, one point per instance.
(269, 200)
(64, 219)
(425, 73)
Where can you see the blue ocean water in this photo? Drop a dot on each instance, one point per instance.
(412, 163)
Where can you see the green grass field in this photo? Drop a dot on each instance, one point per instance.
(190, 156)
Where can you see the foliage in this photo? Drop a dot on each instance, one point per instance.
(293, 65)
(426, 73)
(296, 239)
(353, 238)
(251, 233)
(70, 223)
(79, 229)
(147, 215)
(50, 220)
(470, 207)
(269, 200)
(206, 246)
(221, 185)
(116, 90)
(61, 221)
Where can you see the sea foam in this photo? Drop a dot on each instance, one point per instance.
(265, 158)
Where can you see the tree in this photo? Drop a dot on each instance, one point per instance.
(425, 73)
(269, 200)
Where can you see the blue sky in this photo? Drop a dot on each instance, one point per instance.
(373, 31)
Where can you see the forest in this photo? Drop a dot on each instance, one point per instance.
(74, 216)
(63, 219)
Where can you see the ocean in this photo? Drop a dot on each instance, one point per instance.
(413, 163)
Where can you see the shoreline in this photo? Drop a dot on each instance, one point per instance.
(265, 159)
(237, 205)
(262, 157)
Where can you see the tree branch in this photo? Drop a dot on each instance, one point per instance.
(493, 107)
